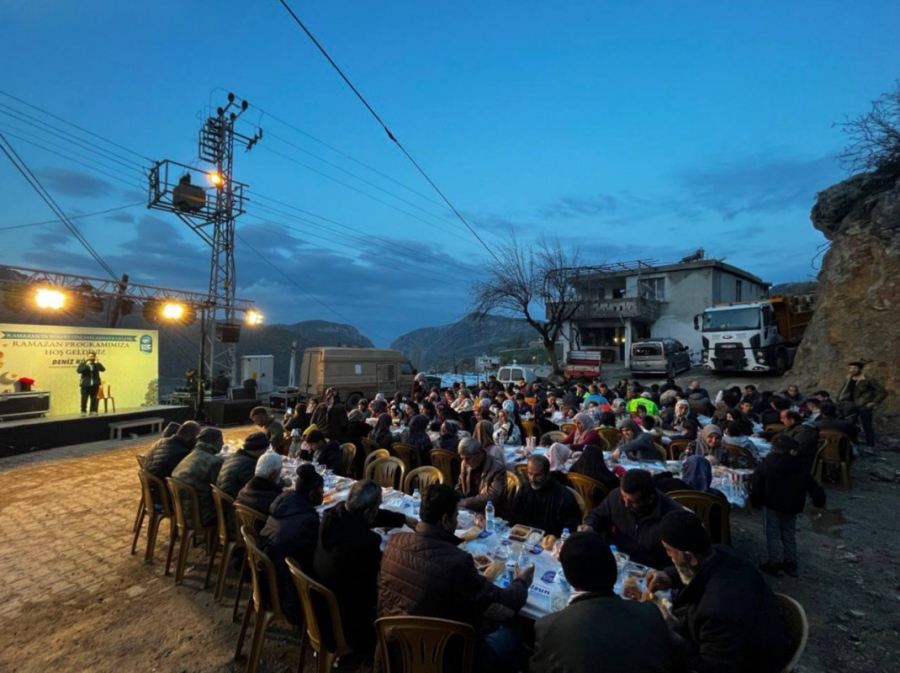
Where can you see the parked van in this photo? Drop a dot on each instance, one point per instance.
(354, 373)
(667, 357)
(515, 373)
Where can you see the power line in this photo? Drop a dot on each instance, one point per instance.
(73, 217)
(387, 130)
(35, 183)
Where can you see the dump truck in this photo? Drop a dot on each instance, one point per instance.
(754, 336)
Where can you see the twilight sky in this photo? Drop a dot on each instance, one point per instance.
(640, 132)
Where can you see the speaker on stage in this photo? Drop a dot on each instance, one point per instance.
(228, 332)
(229, 413)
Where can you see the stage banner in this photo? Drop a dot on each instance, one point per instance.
(50, 356)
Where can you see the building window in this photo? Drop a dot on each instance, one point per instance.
(653, 288)
(738, 290)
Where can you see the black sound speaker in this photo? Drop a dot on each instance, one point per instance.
(228, 332)
(229, 413)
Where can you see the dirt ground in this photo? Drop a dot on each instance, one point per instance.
(72, 598)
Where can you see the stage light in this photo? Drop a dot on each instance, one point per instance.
(151, 310)
(49, 299)
(253, 318)
(172, 311)
(95, 304)
(215, 179)
(14, 298)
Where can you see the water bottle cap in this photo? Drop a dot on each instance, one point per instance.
(490, 502)
(415, 490)
(565, 531)
(612, 548)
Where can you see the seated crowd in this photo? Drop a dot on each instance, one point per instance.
(722, 616)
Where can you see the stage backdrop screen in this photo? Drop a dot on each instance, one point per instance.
(50, 355)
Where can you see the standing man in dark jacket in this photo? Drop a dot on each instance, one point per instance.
(859, 395)
(481, 478)
(273, 429)
(598, 626)
(806, 436)
(260, 492)
(199, 469)
(291, 531)
(164, 456)
(330, 417)
(545, 503)
(630, 516)
(90, 369)
(426, 574)
(779, 486)
(240, 465)
(724, 610)
(348, 559)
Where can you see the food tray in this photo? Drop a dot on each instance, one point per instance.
(520, 533)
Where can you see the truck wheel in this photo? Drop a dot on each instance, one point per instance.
(780, 365)
(353, 399)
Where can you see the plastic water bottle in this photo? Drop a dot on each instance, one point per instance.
(618, 586)
(489, 517)
(524, 561)
(557, 548)
(416, 501)
(563, 583)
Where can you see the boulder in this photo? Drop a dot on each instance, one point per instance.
(859, 290)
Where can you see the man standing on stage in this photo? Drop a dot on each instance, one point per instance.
(90, 381)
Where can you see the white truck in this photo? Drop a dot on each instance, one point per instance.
(756, 336)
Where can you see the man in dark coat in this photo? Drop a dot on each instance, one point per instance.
(348, 559)
(426, 574)
(858, 397)
(630, 516)
(292, 531)
(273, 429)
(599, 626)
(481, 478)
(199, 469)
(240, 465)
(806, 436)
(89, 369)
(545, 503)
(164, 456)
(323, 451)
(260, 492)
(330, 417)
(724, 609)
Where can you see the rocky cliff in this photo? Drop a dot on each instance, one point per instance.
(859, 290)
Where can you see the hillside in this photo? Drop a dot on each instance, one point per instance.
(433, 348)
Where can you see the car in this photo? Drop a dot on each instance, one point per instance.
(664, 356)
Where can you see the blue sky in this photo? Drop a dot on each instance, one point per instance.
(639, 131)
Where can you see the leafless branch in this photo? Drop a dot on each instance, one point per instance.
(874, 137)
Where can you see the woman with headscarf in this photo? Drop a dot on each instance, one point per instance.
(636, 444)
(506, 432)
(484, 433)
(416, 435)
(558, 454)
(445, 412)
(449, 437)
(708, 443)
(583, 433)
(696, 473)
(592, 464)
(463, 401)
(620, 409)
(510, 406)
(381, 433)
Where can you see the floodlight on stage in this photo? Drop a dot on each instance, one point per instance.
(253, 318)
(49, 299)
(172, 311)
(151, 310)
(215, 179)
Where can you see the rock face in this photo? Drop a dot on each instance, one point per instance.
(859, 290)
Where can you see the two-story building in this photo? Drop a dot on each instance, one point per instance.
(623, 302)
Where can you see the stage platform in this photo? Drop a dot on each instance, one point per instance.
(37, 434)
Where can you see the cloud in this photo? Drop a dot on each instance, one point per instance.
(572, 207)
(73, 183)
(124, 218)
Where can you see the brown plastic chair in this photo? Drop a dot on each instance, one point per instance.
(554, 436)
(604, 445)
(661, 452)
(421, 642)
(255, 520)
(375, 455)
(408, 454)
(530, 428)
(386, 472)
(189, 529)
(835, 450)
(592, 491)
(797, 628)
(264, 602)
(317, 598)
(712, 509)
(582, 503)
(422, 478)
(566, 428)
(512, 487)
(676, 447)
(106, 397)
(368, 445)
(611, 435)
(522, 472)
(741, 456)
(229, 538)
(348, 455)
(156, 493)
(141, 510)
(446, 461)
(699, 406)
(773, 427)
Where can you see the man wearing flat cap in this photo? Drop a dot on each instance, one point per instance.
(858, 398)
(722, 607)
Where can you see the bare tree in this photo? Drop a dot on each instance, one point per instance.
(874, 137)
(531, 282)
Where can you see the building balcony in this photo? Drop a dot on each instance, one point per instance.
(627, 307)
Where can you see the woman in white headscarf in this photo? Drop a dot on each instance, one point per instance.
(505, 431)
(583, 434)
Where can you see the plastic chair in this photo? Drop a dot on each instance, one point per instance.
(348, 455)
(386, 472)
(582, 503)
(835, 451)
(797, 628)
(773, 427)
(141, 511)
(421, 642)
(521, 471)
(188, 529)
(604, 445)
(512, 487)
(317, 598)
(408, 454)
(567, 428)
(160, 507)
(676, 447)
(554, 436)
(712, 510)
(611, 435)
(369, 445)
(375, 455)
(741, 457)
(106, 397)
(264, 603)
(422, 478)
(661, 452)
(530, 428)
(447, 462)
(228, 538)
(255, 520)
(593, 492)
(699, 406)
